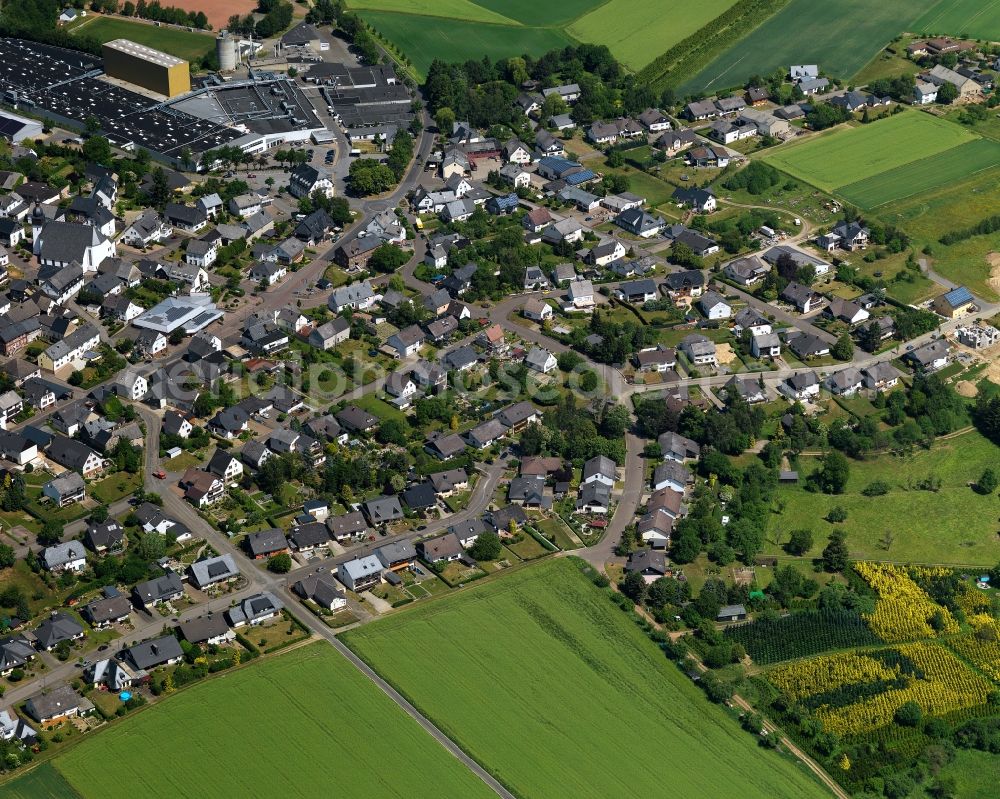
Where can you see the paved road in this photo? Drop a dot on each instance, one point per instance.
(603, 552)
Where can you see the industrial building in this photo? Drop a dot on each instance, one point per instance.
(265, 111)
(16, 129)
(143, 66)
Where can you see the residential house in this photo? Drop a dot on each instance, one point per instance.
(847, 311)
(382, 510)
(361, 573)
(163, 651)
(846, 382)
(699, 349)
(443, 548)
(714, 306)
(801, 386)
(676, 447)
(848, 236)
(202, 488)
(804, 298)
(765, 345)
(207, 630)
(255, 610)
(55, 706)
(112, 608)
(321, 589)
(636, 291)
(881, 376)
(407, 342)
(356, 420)
(650, 563)
(56, 629)
(266, 544)
(162, 589)
(747, 271)
(540, 360)
(673, 475)
(656, 359)
(66, 557)
(955, 303)
(104, 537)
(640, 223)
(929, 357)
(211, 571)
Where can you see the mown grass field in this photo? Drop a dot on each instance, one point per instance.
(842, 36)
(952, 526)
(637, 31)
(978, 19)
(292, 726)
(423, 38)
(909, 180)
(180, 43)
(544, 681)
(846, 155)
(43, 782)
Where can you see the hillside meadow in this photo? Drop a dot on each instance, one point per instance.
(298, 725)
(556, 692)
(951, 526)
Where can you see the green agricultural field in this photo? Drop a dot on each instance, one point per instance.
(424, 39)
(909, 180)
(978, 19)
(314, 722)
(637, 31)
(451, 9)
(43, 782)
(846, 155)
(529, 12)
(842, 36)
(952, 526)
(543, 680)
(181, 43)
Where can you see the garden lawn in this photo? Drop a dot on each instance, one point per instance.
(183, 44)
(295, 708)
(943, 169)
(423, 39)
(952, 526)
(637, 31)
(840, 35)
(977, 19)
(569, 697)
(845, 155)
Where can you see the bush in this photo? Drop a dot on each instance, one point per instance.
(280, 564)
(836, 515)
(876, 488)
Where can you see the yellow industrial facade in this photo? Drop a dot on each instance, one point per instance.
(143, 66)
